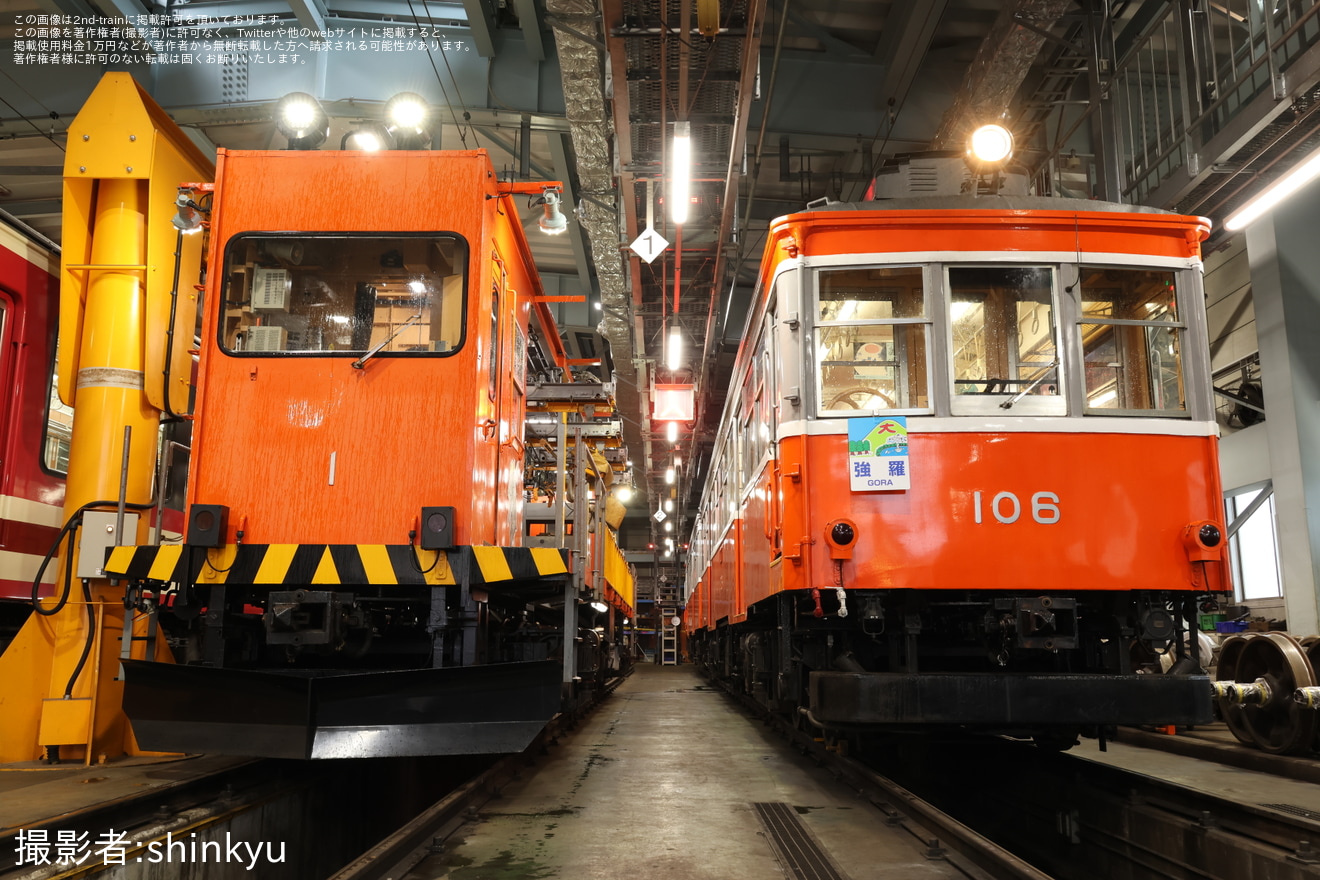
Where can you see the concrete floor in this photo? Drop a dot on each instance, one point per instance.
(33, 793)
(659, 782)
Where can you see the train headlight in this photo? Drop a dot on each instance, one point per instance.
(990, 145)
(299, 118)
(408, 117)
(841, 535)
(1203, 541)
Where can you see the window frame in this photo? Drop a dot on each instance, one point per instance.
(928, 299)
(462, 265)
(1181, 326)
(991, 404)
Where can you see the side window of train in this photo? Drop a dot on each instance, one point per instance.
(872, 331)
(1131, 339)
(340, 294)
(1004, 338)
(59, 431)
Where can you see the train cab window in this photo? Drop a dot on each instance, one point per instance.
(333, 294)
(1004, 341)
(871, 331)
(1131, 341)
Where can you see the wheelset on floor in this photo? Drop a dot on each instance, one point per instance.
(1261, 682)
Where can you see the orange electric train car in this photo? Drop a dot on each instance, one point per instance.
(352, 581)
(966, 476)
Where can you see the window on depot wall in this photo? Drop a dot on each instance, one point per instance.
(1254, 548)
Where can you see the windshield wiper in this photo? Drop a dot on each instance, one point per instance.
(1008, 404)
(357, 364)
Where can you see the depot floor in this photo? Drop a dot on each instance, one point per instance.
(660, 781)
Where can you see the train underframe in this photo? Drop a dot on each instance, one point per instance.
(1044, 666)
(314, 671)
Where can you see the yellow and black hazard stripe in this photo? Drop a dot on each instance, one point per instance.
(302, 564)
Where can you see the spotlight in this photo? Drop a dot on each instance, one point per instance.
(188, 217)
(990, 144)
(408, 117)
(299, 118)
(624, 493)
(554, 222)
(368, 137)
(599, 607)
(671, 432)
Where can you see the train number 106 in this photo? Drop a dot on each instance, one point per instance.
(1007, 509)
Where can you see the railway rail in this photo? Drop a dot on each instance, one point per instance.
(1061, 815)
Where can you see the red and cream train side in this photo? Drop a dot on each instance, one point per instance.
(31, 491)
(1051, 516)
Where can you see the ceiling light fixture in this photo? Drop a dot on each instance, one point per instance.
(674, 349)
(671, 432)
(1301, 174)
(680, 173)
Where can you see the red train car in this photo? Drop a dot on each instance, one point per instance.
(967, 474)
(31, 454)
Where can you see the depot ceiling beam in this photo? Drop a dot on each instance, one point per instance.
(1000, 66)
(559, 145)
(310, 14)
(482, 24)
(904, 42)
(529, 19)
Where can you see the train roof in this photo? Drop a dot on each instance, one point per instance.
(983, 203)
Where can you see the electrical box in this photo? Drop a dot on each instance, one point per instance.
(270, 289)
(97, 535)
(267, 338)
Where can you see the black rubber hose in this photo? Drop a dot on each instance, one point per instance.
(91, 632)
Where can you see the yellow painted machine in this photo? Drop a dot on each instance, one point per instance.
(127, 312)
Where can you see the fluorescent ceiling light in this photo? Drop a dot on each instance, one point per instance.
(680, 173)
(1301, 174)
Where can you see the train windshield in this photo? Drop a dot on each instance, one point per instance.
(871, 337)
(335, 293)
(1131, 340)
(1005, 348)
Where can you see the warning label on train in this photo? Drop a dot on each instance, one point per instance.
(878, 454)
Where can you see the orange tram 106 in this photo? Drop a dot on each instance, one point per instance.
(967, 473)
(352, 580)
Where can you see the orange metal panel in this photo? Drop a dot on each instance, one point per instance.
(1097, 232)
(256, 417)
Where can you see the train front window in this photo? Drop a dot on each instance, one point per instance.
(871, 328)
(1004, 341)
(1131, 341)
(335, 293)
